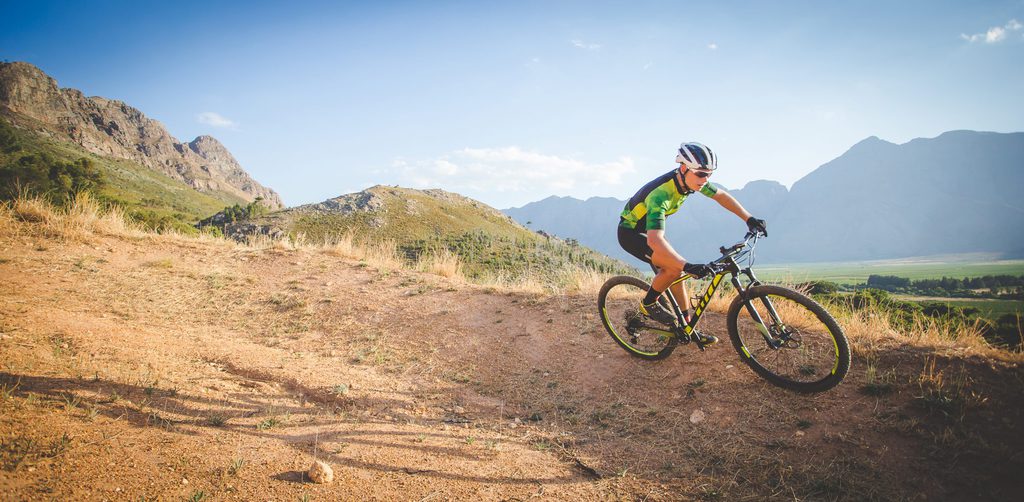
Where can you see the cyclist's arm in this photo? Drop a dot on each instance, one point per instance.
(729, 202)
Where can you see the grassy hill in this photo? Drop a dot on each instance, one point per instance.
(430, 222)
(56, 169)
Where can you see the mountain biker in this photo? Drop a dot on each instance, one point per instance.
(642, 229)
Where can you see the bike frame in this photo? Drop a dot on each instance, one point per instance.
(728, 266)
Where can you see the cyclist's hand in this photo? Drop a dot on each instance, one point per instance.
(757, 226)
(698, 270)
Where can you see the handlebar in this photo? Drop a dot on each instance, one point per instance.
(749, 240)
(744, 247)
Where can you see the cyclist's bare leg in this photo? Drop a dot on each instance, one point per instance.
(682, 294)
(670, 269)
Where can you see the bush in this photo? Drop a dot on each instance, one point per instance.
(1005, 331)
(42, 174)
(820, 287)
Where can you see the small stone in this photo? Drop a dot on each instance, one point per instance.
(320, 472)
(728, 366)
(799, 433)
(184, 481)
(697, 416)
(459, 410)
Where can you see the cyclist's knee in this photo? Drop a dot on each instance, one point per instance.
(674, 270)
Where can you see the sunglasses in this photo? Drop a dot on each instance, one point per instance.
(701, 174)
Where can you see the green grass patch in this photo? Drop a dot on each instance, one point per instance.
(988, 308)
(850, 273)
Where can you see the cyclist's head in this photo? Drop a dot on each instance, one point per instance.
(697, 157)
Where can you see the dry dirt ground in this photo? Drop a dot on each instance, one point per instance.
(153, 368)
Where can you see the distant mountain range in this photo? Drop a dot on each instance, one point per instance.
(956, 193)
(32, 102)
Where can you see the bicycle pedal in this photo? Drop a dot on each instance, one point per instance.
(703, 340)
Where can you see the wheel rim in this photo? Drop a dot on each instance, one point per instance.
(806, 350)
(621, 317)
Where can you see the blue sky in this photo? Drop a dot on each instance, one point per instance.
(511, 102)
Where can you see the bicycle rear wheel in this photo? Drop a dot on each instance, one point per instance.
(799, 347)
(618, 304)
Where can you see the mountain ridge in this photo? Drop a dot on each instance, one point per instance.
(954, 193)
(30, 99)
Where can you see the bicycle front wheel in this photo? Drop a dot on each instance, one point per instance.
(618, 304)
(797, 345)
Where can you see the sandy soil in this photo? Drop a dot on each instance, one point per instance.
(168, 369)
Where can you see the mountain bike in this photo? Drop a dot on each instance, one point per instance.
(786, 337)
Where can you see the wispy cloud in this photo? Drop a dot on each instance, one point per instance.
(216, 120)
(511, 170)
(585, 45)
(994, 34)
(712, 46)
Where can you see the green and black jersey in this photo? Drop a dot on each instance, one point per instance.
(656, 200)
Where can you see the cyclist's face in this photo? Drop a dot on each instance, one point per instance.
(697, 178)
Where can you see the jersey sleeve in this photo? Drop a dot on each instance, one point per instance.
(709, 189)
(658, 203)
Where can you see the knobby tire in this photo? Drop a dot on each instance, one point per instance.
(617, 303)
(817, 358)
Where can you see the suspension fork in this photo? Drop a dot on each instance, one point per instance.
(764, 299)
(748, 304)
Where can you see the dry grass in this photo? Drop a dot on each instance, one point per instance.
(581, 280)
(82, 216)
(7, 221)
(382, 255)
(869, 330)
(444, 264)
(951, 395)
(344, 246)
(528, 284)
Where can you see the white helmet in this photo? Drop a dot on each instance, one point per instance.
(697, 157)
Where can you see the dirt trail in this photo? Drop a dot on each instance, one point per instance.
(173, 369)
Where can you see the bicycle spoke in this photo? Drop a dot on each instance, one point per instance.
(798, 346)
(642, 337)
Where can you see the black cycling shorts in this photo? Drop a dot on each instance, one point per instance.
(635, 243)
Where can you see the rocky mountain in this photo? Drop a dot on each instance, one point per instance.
(31, 100)
(956, 193)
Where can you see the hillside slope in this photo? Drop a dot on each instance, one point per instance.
(424, 222)
(138, 365)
